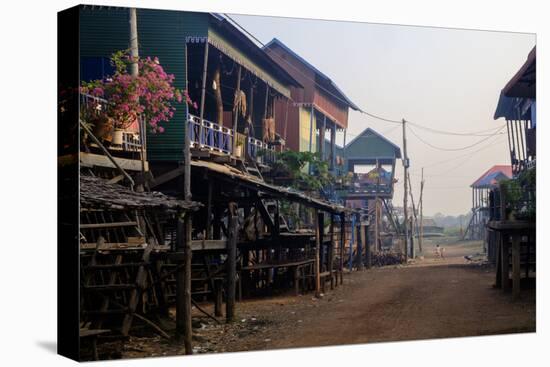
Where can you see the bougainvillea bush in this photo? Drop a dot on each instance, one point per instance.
(150, 94)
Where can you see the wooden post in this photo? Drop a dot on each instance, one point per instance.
(377, 224)
(209, 212)
(322, 129)
(516, 264)
(203, 90)
(360, 243)
(405, 186)
(296, 274)
(331, 252)
(311, 134)
(505, 262)
(218, 95)
(231, 262)
(364, 234)
(342, 244)
(332, 147)
(421, 233)
(351, 242)
(219, 298)
(316, 219)
(183, 284)
(235, 108)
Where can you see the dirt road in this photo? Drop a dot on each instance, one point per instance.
(431, 298)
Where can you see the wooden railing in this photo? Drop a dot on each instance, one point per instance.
(90, 106)
(260, 152)
(209, 135)
(212, 136)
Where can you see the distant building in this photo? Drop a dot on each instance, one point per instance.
(318, 107)
(518, 105)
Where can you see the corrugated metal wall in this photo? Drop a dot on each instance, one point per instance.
(161, 33)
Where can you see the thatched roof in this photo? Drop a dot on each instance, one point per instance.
(96, 192)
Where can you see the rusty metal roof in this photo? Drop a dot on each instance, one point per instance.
(96, 192)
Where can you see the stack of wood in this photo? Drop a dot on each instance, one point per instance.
(386, 258)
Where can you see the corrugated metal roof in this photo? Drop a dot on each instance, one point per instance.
(319, 73)
(381, 139)
(492, 176)
(523, 83)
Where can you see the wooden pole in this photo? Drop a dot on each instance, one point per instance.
(516, 265)
(311, 134)
(203, 90)
(218, 95)
(209, 211)
(360, 243)
(317, 221)
(421, 234)
(134, 46)
(183, 285)
(331, 252)
(231, 262)
(405, 187)
(342, 244)
(377, 224)
(332, 147)
(364, 234)
(235, 106)
(322, 129)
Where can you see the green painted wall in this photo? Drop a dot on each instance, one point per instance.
(368, 145)
(161, 33)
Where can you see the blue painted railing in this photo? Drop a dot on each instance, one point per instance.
(210, 135)
(260, 151)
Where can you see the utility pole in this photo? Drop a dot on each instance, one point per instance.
(421, 234)
(405, 186)
(134, 72)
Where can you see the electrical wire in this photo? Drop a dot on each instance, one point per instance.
(345, 101)
(455, 149)
(443, 132)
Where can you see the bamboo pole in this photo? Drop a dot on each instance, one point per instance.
(231, 262)
(317, 223)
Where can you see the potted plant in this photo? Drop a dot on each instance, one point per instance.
(239, 149)
(150, 94)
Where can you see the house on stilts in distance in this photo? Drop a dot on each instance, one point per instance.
(511, 226)
(369, 167)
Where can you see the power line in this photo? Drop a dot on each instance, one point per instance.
(362, 111)
(309, 78)
(455, 149)
(443, 132)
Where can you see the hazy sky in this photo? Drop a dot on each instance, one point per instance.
(445, 79)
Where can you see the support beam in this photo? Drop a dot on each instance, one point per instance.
(184, 330)
(318, 222)
(236, 106)
(231, 262)
(342, 244)
(203, 89)
(333, 147)
(331, 252)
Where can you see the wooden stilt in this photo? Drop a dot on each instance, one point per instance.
(183, 284)
(317, 222)
(342, 244)
(331, 253)
(516, 265)
(505, 265)
(231, 262)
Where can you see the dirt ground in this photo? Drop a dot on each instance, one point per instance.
(427, 298)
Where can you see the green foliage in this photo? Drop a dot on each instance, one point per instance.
(520, 195)
(291, 164)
